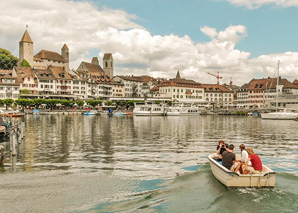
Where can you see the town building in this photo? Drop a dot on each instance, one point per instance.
(132, 85)
(99, 84)
(9, 86)
(181, 89)
(216, 95)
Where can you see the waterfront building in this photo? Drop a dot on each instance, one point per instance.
(242, 96)
(181, 89)
(27, 79)
(46, 81)
(286, 95)
(43, 58)
(118, 90)
(9, 86)
(262, 93)
(132, 85)
(79, 85)
(99, 84)
(218, 95)
(63, 80)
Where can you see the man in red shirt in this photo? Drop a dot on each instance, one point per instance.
(256, 163)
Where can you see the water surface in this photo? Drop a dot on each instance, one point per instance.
(76, 163)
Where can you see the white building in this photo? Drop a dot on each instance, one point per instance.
(9, 86)
(132, 85)
(180, 89)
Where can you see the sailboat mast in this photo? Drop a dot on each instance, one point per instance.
(277, 83)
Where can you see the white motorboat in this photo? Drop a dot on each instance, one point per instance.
(173, 111)
(189, 109)
(284, 114)
(231, 179)
(149, 110)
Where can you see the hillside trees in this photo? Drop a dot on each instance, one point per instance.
(7, 60)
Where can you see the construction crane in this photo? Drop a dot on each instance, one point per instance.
(217, 76)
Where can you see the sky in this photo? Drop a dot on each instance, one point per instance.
(240, 39)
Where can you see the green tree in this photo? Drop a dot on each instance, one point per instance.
(7, 60)
(51, 102)
(24, 102)
(38, 102)
(108, 103)
(8, 102)
(94, 103)
(25, 63)
(67, 103)
(80, 103)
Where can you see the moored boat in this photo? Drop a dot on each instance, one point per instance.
(173, 111)
(149, 110)
(91, 112)
(284, 114)
(231, 179)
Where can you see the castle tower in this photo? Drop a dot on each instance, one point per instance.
(26, 49)
(108, 64)
(65, 55)
(95, 61)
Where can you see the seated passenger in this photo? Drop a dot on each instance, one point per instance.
(256, 163)
(221, 147)
(244, 158)
(229, 159)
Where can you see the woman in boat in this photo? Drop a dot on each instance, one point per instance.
(244, 158)
(256, 163)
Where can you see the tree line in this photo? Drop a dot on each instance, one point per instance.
(54, 103)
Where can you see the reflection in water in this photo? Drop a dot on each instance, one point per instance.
(150, 147)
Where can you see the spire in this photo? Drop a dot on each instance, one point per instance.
(26, 37)
(65, 47)
(178, 74)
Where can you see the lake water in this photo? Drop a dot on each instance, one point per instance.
(76, 163)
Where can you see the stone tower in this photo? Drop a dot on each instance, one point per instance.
(65, 55)
(108, 64)
(95, 61)
(26, 49)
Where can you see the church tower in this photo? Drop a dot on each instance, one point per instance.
(108, 64)
(65, 55)
(26, 49)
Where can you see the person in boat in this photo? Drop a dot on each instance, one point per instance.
(221, 147)
(256, 163)
(244, 158)
(229, 159)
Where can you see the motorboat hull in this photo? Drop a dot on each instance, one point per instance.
(279, 116)
(232, 179)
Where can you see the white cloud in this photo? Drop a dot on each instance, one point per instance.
(87, 29)
(253, 4)
(209, 31)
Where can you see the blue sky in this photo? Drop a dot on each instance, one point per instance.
(242, 39)
(270, 29)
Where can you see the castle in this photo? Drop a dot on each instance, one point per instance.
(46, 58)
